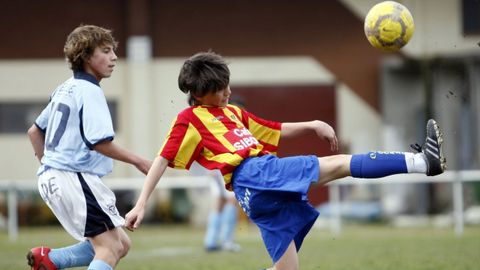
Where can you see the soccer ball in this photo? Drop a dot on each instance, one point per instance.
(389, 26)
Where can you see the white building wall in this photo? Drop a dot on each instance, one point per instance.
(438, 31)
(358, 124)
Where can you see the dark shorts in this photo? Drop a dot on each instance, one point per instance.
(272, 192)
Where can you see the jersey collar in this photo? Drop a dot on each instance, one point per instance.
(82, 75)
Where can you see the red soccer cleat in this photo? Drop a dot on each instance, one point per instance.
(38, 259)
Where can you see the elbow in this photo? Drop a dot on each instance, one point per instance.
(35, 134)
(32, 131)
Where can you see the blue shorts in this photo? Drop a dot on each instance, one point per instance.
(273, 193)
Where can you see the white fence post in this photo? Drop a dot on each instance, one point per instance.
(335, 215)
(457, 190)
(455, 177)
(12, 213)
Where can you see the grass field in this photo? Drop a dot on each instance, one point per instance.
(359, 247)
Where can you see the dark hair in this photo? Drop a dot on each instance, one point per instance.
(82, 41)
(202, 73)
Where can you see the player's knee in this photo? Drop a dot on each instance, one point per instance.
(121, 245)
(124, 246)
(334, 167)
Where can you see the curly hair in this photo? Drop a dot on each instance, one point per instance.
(202, 73)
(82, 41)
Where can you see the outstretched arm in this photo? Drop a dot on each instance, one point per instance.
(322, 129)
(110, 149)
(135, 216)
(37, 138)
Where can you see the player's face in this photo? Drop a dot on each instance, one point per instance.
(216, 99)
(102, 62)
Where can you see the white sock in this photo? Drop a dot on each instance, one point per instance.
(415, 162)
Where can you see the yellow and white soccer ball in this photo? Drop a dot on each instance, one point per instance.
(389, 26)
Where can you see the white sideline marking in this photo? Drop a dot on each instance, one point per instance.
(162, 252)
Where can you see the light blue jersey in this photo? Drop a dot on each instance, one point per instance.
(76, 118)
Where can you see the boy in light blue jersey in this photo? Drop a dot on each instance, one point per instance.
(73, 139)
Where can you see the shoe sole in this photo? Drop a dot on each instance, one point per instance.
(30, 259)
(439, 135)
(31, 262)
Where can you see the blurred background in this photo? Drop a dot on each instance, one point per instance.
(290, 61)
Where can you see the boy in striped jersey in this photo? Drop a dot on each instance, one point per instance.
(271, 190)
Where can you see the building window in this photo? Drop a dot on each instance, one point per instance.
(17, 117)
(471, 17)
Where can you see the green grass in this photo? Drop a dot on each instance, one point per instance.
(358, 247)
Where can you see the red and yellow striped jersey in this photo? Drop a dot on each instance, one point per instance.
(218, 138)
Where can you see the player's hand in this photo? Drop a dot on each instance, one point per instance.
(326, 132)
(134, 218)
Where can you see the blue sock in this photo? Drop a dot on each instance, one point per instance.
(213, 230)
(377, 164)
(229, 221)
(80, 254)
(99, 265)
